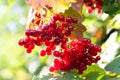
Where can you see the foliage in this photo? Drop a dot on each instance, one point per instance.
(114, 66)
(103, 29)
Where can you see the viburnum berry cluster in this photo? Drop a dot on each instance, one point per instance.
(93, 4)
(51, 34)
(54, 35)
(78, 55)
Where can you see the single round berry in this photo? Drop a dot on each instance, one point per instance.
(70, 28)
(28, 50)
(48, 49)
(64, 24)
(74, 20)
(51, 69)
(61, 18)
(69, 19)
(27, 32)
(21, 42)
(56, 53)
(89, 10)
(67, 32)
(42, 53)
(98, 58)
(57, 41)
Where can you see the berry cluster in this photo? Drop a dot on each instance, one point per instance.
(72, 54)
(78, 55)
(53, 33)
(93, 4)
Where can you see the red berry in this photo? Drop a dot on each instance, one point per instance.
(56, 53)
(27, 32)
(51, 69)
(89, 10)
(55, 17)
(48, 49)
(99, 11)
(67, 32)
(42, 53)
(74, 20)
(97, 58)
(57, 41)
(69, 19)
(64, 24)
(60, 28)
(21, 42)
(28, 50)
(61, 18)
(70, 28)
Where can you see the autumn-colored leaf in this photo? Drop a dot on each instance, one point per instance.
(79, 28)
(36, 4)
(56, 5)
(78, 6)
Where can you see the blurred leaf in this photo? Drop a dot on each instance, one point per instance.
(111, 7)
(67, 76)
(36, 78)
(114, 66)
(115, 22)
(57, 5)
(43, 78)
(118, 36)
(93, 72)
(60, 76)
(109, 78)
(73, 13)
(92, 76)
(78, 8)
(118, 52)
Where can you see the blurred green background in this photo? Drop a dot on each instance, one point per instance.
(13, 60)
(15, 64)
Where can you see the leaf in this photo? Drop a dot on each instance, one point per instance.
(115, 22)
(78, 6)
(43, 78)
(93, 72)
(109, 78)
(57, 5)
(79, 28)
(92, 76)
(114, 66)
(111, 7)
(36, 78)
(59, 76)
(67, 76)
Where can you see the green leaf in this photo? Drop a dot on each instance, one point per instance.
(67, 76)
(36, 78)
(111, 7)
(114, 23)
(72, 12)
(109, 78)
(43, 78)
(114, 66)
(93, 72)
(59, 76)
(92, 76)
